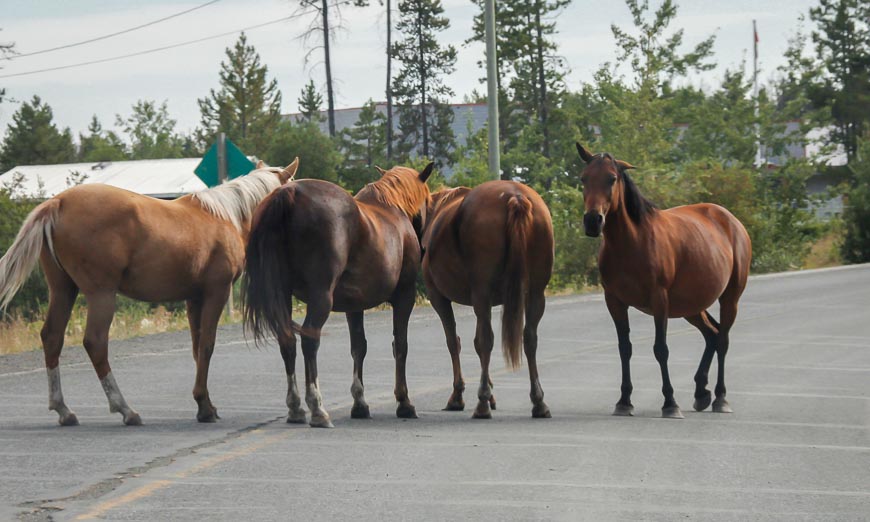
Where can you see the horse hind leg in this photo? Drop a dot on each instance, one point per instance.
(444, 308)
(101, 309)
(534, 313)
(62, 296)
(316, 316)
(295, 412)
(403, 304)
(213, 302)
(358, 350)
(727, 316)
(483, 342)
(708, 328)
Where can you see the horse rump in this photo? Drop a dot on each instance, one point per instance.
(267, 284)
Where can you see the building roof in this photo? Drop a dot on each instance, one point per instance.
(162, 178)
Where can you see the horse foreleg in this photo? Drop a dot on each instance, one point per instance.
(444, 308)
(212, 307)
(316, 316)
(402, 308)
(534, 313)
(619, 315)
(670, 409)
(295, 412)
(704, 325)
(358, 349)
(62, 296)
(101, 309)
(483, 341)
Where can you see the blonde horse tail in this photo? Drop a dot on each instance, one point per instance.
(267, 285)
(519, 224)
(17, 263)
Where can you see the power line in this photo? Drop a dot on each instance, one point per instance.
(166, 47)
(97, 39)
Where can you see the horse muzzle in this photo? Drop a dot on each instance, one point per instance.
(593, 222)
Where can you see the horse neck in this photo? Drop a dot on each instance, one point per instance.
(619, 231)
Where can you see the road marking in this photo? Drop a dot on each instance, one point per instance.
(150, 488)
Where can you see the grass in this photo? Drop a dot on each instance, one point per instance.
(20, 335)
(826, 250)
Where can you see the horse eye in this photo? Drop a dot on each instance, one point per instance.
(583, 180)
(611, 181)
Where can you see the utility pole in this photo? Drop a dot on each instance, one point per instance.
(324, 9)
(389, 88)
(755, 93)
(492, 89)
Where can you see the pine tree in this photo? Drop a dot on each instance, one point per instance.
(527, 59)
(842, 41)
(33, 139)
(363, 146)
(419, 87)
(151, 131)
(247, 107)
(310, 102)
(100, 145)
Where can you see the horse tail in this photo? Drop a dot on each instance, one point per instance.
(267, 285)
(17, 263)
(516, 278)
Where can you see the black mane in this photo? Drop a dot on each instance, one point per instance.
(637, 206)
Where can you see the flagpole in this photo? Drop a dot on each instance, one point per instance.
(755, 92)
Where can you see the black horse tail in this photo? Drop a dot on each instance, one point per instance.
(267, 285)
(516, 278)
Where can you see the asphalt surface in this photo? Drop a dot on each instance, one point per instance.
(796, 448)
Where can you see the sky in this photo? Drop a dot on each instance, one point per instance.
(181, 75)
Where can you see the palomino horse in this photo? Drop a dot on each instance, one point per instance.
(483, 247)
(666, 263)
(311, 240)
(100, 240)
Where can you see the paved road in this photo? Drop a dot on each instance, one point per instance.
(797, 448)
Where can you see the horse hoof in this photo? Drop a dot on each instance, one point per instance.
(360, 411)
(69, 420)
(321, 422)
(296, 417)
(134, 419)
(721, 406)
(702, 402)
(672, 412)
(455, 405)
(406, 411)
(541, 411)
(623, 410)
(492, 402)
(482, 411)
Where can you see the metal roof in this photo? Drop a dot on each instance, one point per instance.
(163, 178)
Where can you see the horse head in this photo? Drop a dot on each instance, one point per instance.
(602, 190)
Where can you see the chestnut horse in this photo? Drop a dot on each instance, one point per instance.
(100, 240)
(312, 240)
(483, 247)
(666, 263)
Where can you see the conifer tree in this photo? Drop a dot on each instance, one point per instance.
(247, 107)
(310, 102)
(424, 118)
(151, 131)
(100, 145)
(33, 138)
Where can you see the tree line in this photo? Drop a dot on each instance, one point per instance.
(690, 144)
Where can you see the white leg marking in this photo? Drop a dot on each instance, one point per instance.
(55, 396)
(116, 400)
(295, 413)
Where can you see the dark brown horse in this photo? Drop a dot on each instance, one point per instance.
(311, 240)
(483, 247)
(101, 240)
(666, 263)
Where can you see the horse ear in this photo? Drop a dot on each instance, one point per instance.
(380, 170)
(290, 171)
(624, 165)
(585, 155)
(260, 164)
(427, 172)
